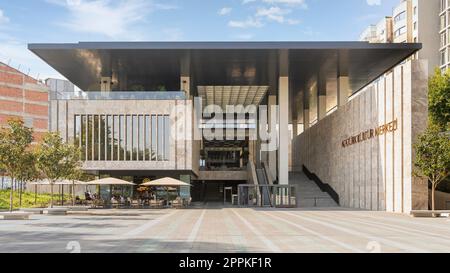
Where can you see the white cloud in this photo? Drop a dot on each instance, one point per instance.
(3, 18)
(292, 3)
(373, 2)
(250, 22)
(273, 13)
(224, 11)
(114, 19)
(297, 3)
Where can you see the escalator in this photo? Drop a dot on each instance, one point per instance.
(264, 191)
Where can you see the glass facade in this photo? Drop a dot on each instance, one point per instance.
(123, 137)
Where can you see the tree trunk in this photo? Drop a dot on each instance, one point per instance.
(433, 194)
(3, 181)
(11, 194)
(73, 193)
(20, 193)
(51, 195)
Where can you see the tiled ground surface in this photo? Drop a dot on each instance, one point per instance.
(215, 229)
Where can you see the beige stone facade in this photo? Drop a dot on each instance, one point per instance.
(375, 174)
(182, 156)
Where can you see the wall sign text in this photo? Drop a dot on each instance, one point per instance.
(372, 133)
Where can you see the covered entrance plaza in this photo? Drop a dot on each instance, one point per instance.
(233, 230)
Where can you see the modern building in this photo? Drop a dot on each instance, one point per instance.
(218, 114)
(444, 26)
(415, 21)
(24, 97)
(379, 33)
(60, 86)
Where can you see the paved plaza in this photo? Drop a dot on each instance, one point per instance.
(215, 229)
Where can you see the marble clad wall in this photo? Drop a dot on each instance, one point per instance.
(375, 174)
(181, 148)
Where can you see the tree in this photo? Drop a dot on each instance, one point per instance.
(56, 160)
(74, 174)
(28, 171)
(439, 100)
(15, 141)
(433, 157)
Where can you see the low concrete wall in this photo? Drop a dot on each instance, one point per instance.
(375, 173)
(442, 200)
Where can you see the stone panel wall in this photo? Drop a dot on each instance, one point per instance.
(375, 174)
(181, 158)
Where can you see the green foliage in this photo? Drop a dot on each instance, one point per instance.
(439, 100)
(28, 200)
(15, 141)
(433, 155)
(16, 157)
(57, 160)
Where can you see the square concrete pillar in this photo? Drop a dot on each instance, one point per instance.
(322, 107)
(294, 128)
(185, 85)
(272, 155)
(306, 120)
(321, 97)
(284, 137)
(343, 90)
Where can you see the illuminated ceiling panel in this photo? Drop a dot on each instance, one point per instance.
(232, 95)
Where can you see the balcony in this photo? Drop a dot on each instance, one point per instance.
(121, 95)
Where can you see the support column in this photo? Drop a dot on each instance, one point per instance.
(272, 155)
(306, 120)
(322, 98)
(185, 84)
(343, 88)
(185, 77)
(283, 149)
(295, 128)
(343, 83)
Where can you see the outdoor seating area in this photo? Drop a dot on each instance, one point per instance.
(113, 193)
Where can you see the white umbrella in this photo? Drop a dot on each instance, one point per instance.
(166, 182)
(46, 182)
(60, 182)
(110, 182)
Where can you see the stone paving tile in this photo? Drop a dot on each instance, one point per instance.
(233, 230)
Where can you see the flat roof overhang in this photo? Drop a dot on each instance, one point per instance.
(225, 63)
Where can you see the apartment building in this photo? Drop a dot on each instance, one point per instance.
(444, 26)
(416, 21)
(379, 33)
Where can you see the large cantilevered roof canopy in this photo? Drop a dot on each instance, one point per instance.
(224, 63)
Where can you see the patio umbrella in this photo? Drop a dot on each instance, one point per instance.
(168, 183)
(60, 183)
(110, 181)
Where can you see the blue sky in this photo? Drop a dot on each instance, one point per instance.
(67, 21)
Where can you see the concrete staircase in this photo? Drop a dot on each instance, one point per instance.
(309, 194)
